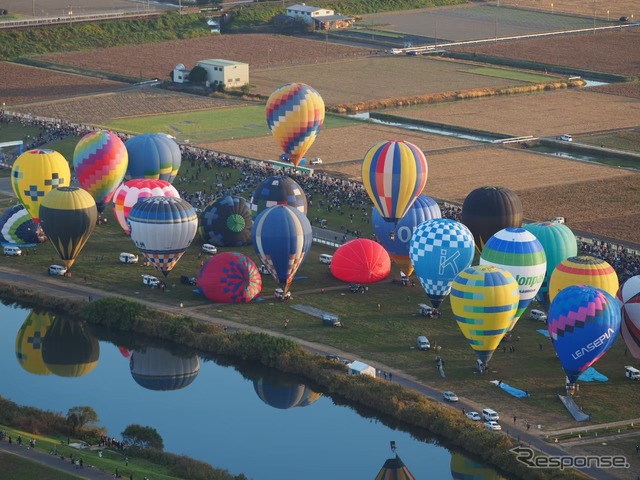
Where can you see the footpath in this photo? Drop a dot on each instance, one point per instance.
(526, 436)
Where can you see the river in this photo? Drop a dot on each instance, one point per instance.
(243, 418)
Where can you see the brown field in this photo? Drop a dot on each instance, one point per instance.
(551, 113)
(61, 7)
(21, 84)
(615, 8)
(157, 60)
(605, 51)
(99, 109)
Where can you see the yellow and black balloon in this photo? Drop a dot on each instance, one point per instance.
(30, 340)
(68, 216)
(69, 349)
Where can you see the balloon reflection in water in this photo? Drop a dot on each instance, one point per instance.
(159, 369)
(29, 342)
(69, 348)
(284, 395)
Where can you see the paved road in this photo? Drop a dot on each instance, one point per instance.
(59, 287)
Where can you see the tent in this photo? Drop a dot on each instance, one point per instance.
(360, 368)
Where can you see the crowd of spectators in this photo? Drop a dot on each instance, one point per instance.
(325, 193)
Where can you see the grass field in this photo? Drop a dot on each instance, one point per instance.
(211, 125)
(511, 74)
(18, 468)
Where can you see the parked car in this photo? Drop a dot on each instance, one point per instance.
(263, 270)
(475, 416)
(538, 315)
(150, 280)
(12, 251)
(316, 161)
(449, 396)
(188, 280)
(624, 18)
(491, 425)
(566, 138)
(355, 288)
(280, 295)
(128, 258)
(57, 270)
(331, 320)
(208, 248)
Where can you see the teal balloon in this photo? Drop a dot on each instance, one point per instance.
(559, 243)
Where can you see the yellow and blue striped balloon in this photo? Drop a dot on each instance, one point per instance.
(484, 300)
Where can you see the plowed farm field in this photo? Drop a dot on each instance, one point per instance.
(156, 60)
(21, 83)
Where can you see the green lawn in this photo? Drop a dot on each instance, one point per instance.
(210, 125)
(512, 74)
(17, 468)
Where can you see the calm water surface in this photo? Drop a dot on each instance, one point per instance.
(245, 419)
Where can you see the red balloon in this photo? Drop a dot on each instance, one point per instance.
(230, 277)
(361, 261)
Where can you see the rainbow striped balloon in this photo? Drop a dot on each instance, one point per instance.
(484, 300)
(521, 254)
(295, 113)
(100, 161)
(583, 270)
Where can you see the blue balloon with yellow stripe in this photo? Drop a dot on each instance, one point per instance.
(484, 300)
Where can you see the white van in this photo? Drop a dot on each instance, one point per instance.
(128, 258)
(490, 415)
(423, 343)
(538, 315)
(566, 138)
(12, 251)
(57, 270)
(326, 259)
(208, 248)
(632, 373)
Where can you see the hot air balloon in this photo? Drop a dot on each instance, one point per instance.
(131, 191)
(278, 190)
(230, 277)
(584, 322)
(158, 369)
(68, 216)
(226, 222)
(484, 300)
(295, 113)
(559, 243)
(629, 296)
(360, 261)
(281, 237)
(439, 250)
(424, 208)
(489, 209)
(163, 228)
(394, 469)
(284, 395)
(394, 174)
(29, 342)
(153, 155)
(519, 252)
(100, 161)
(17, 226)
(69, 349)
(583, 270)
(34, 174)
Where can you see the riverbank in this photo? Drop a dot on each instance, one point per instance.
(414, 407)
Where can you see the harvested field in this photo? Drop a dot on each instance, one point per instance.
(581, 7)
(99, 109)
(57, 7)
(335, 145)
(381, 77)
(631, 90)
(547, 186)
(544, 114)
(156, 60)
(605, 51)
(22, 83)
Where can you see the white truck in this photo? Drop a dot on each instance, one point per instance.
(631, 373)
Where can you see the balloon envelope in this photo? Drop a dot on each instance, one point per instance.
(68, 216)
(131, 191)
(284, 395)
(159, 369)
(484, 300)
(163, 228)
(361, 261)
(489, 209)
(295, 113)
(440, 249)
(226, 222)
(100, 161)
(153, 155)
(34, 174)
(519, 252)
(281, 238)
(559, 243)
(583, 270)
(584, 322)
(230, 277)
(29, 342)
(629, 296)
(278, 190)
(17, 226)
(394, 174)
(424, 208)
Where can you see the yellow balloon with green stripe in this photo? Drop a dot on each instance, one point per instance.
(484, 300)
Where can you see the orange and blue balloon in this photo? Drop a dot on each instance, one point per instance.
(100, 161)
(295, 113)
(584, 322)
(394, 174)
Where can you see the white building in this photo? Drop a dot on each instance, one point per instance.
(180, 74)
(231, 74)
(360, 368)
(307, 13)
